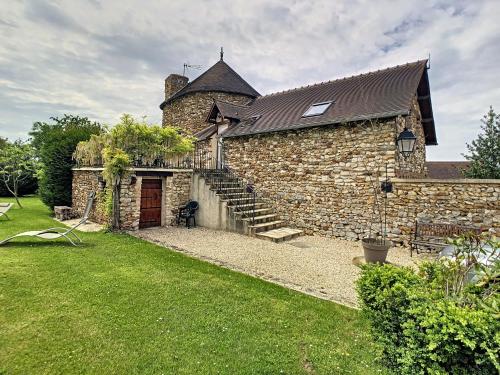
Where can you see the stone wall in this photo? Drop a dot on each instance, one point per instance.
(190, 112)
(413, 165)
(176, 191)
(84, 182)
(130, 203)
(317, 180)
(466, 202)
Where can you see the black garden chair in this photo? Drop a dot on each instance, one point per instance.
(187, 212)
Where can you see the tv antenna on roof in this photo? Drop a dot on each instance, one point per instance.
(189, 66)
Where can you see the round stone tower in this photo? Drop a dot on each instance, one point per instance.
(187, 104)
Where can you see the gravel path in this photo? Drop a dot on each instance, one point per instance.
(315, 265)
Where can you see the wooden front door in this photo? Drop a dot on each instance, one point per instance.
(151, 193)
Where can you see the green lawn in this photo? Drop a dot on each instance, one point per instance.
(121, 305)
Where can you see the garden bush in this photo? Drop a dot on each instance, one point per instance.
(424, 327)
(55, 144)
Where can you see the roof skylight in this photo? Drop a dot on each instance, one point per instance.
(317, 109)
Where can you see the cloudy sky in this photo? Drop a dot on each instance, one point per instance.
(103, 58)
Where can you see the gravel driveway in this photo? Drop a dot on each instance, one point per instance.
(315, 265)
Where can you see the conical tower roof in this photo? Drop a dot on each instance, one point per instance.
(221, 78)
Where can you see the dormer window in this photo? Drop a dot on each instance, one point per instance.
(317, 109)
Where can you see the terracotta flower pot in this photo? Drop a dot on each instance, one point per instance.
(375, 249)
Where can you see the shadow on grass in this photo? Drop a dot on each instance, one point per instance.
(47, 244)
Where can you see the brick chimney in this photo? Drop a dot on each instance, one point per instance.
(173, 83)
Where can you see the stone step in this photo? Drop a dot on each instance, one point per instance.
(236, 195)
(233, 189)
(226, 185)
(261, 218)
(233, 201)
(258, 211)
(246, 206)
(262, 227)
(279, 234)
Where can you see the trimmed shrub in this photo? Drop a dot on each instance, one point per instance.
(386, 294)
(423, 328)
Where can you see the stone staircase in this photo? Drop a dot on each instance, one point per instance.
(254, 216)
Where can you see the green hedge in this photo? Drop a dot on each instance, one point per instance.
(55, 143)
(423, 331)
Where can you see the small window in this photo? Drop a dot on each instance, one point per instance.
(317, 109)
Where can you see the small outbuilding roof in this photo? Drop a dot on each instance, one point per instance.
(381, 94)
(221, 78)
(227, 110)
(447, 169)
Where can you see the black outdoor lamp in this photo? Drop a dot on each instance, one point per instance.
(406, 142)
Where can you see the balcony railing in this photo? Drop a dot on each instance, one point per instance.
(197, 159)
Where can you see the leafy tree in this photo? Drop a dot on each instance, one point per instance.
(17, 166)
(55, 143)
(484, 151)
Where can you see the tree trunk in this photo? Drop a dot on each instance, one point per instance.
(13, 192)
(116, 204)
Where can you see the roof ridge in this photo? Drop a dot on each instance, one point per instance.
(338, 79)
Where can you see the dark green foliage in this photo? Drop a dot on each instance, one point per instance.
(55, 143)
(28, 186)
(484, 151)
(424, 327)
(386, 292)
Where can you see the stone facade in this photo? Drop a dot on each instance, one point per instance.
(413, 165)
(85, 181)
(317, 179)
(176, 191)
(190, 112)
(466, 202)
(130, 203)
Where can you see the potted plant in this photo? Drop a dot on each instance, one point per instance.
(376, 246)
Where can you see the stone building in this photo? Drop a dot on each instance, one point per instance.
(306, 159)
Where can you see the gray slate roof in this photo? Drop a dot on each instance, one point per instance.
(221, 78)
(381, 94)
(227, 110)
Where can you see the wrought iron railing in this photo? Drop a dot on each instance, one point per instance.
(189, 160)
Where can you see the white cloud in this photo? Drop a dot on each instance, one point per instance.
(103, 58)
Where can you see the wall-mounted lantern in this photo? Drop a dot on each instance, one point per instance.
(406, 142)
